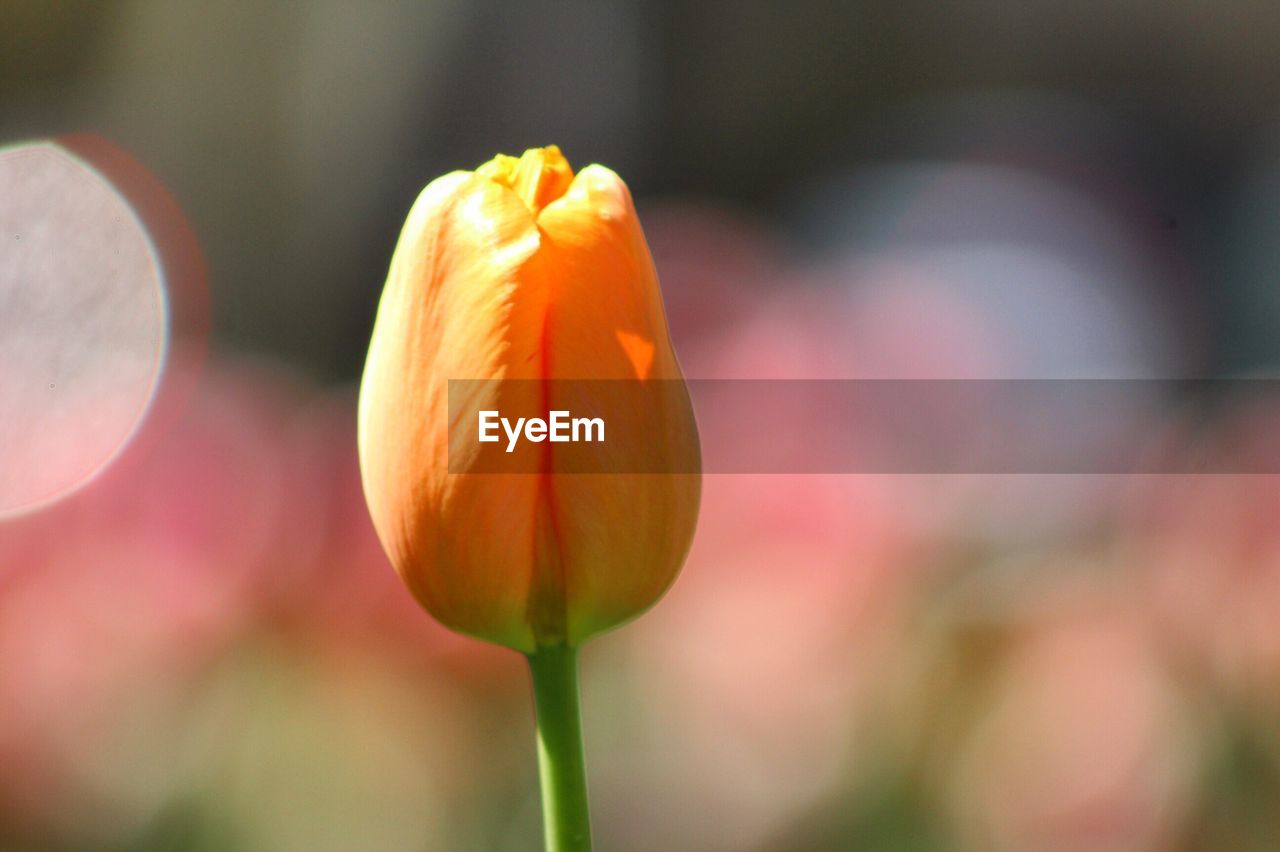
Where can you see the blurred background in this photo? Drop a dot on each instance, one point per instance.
(201, 643)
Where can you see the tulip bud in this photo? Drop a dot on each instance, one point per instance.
(522, 272)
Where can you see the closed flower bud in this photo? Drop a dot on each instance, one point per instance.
(522, 272)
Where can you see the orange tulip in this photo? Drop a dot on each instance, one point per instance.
(523, 272)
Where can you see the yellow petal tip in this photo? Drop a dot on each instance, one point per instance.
(539, 176)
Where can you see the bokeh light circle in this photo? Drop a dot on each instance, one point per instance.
(83, 324)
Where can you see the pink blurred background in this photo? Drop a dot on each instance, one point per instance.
(202, 645)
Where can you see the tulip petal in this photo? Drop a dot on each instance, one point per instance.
(623, 536)
(462, 300)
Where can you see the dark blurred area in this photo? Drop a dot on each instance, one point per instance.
(296, 136)
(202, 645)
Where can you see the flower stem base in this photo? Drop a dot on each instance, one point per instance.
(561, 762)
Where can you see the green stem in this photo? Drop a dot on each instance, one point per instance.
(561, 764)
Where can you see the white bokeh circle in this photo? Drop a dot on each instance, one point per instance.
(83, 324)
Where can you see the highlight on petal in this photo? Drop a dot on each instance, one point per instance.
(639, 350)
